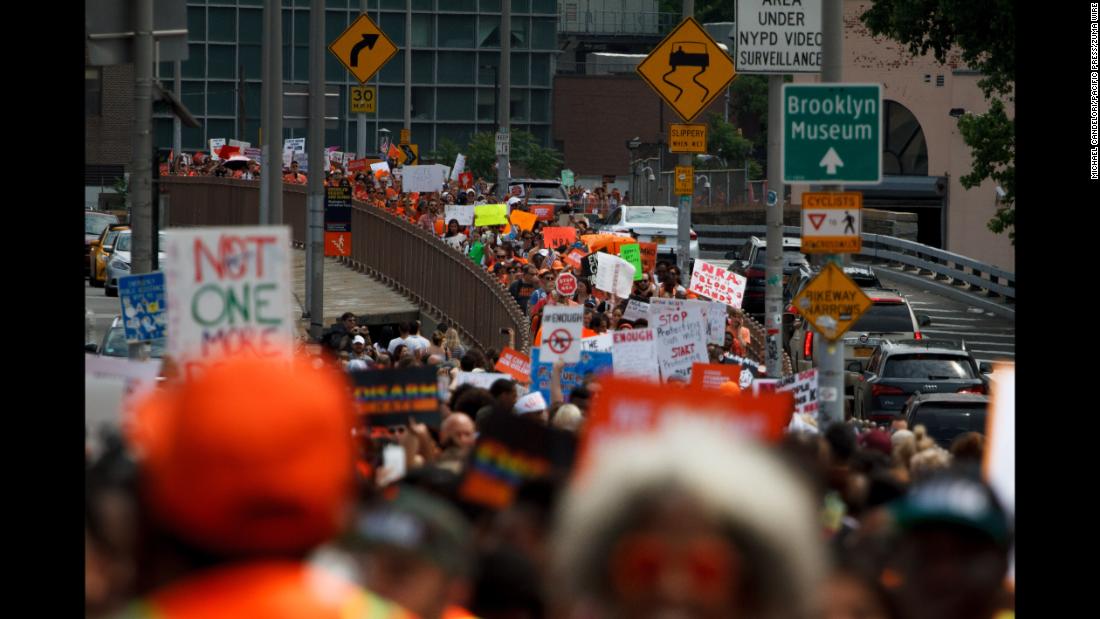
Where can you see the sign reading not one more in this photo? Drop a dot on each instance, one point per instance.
(832, 134)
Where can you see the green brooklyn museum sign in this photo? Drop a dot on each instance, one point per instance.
(832, 134)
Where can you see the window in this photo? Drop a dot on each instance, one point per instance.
(223, 25)
(423, 69)
(456, 104)
(487, 66)
(459, 134)
(544, 33)
(251, 58)
(904, 149)
(221, 97)
(423, 30)
(220, 128)
(521, 6)
(195, 65)
(488, 31)
(928, 367)
(394, 70)
(547, 7)
(519, 104)
(393, 24)
(423, 103)
(222, 62)
(885, 318)
(520, 71)
(458, 32)
(457, 67)
(196, 23)
(391, 102)
(540, 69)
(540, 106)
(490, 6)
(458, 5)
(93, 91)
(423, 5)
(486, 104)
(520, 37)
(194, 97)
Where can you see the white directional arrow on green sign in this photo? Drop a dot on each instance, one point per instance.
(832, 134)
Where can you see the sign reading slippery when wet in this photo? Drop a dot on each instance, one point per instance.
(230, 292)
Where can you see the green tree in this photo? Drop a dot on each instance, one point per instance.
(445, 152)
(983, 32)
(525, 151)
(726, 143)
(481, 156)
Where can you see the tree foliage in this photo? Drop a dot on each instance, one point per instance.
(525, 151)
(445, 152)
(984, 33)
(724, 142)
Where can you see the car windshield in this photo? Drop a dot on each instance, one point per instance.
(116, 345)
(789, 257)
(547, 193)
(946, 421)
(885, 318)
(111, 236)
(661, 216)
(95, 223)
(124, 242)
(865, 280)
(925, 366)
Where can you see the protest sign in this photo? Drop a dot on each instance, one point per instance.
(545, 212)
(466, 180)
(380, 169)
(143, 306)
(391, 397)
(714, 375)
(632, 254)
(556, 236)
(338, 235)
(632, 353)
(515, 364)
(523, 220)
(239, 144)
(717, 283)
(574, 258)
(561, 326)
(426, 178)
(649, 256)
(511, 450)
(614, 275)
(636, 309)
(627, 406)
(216, 144)
(232, 286)
(255, 154)
(459, 168)
(463, 213)
(294, 145)
(477, 252)
(764, 385)
(482, 380)
(590, 266)
(713, 312)
(681, 341)
(358, 165)
(491, 215)
(597, 343)
(804, 387)
(572, 375)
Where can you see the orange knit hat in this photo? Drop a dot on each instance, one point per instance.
(254, 456)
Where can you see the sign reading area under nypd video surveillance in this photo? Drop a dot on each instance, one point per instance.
(778, 36)
(832, 134)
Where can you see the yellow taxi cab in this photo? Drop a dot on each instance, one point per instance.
(101, 251)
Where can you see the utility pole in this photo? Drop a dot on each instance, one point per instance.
(683, 227)
(271, 191)
(361, 118)
(408, 68)
(242, 115)
(177, 125)
(773, 270)
(315, 145)
(141, 173)
(831, 368)
(504, 118)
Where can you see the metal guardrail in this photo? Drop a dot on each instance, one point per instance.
(430, 272)
(941, 264)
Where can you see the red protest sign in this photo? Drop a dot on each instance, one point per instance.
(714, 375)
(557, 236)
(625, 406)
(515, 364)
(649, 256)
(358, 165)
(466, 179)
(545, 212)
(566, 284)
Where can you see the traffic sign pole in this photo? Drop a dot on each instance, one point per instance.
(831, 367)
(141, 172)
(272, 174)
(504, 118)
(683, 226)
(361, 119)
(773, 270)
(315, 249)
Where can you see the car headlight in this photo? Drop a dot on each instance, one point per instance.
(120, 265)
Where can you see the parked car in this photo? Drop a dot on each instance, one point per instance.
(947, 415)
(118, 265)
(890, 317)
(114, 343)
(652, 224)
(101, 253)
(897, 370)
(541, 191)
(95, 222)
(751, 261)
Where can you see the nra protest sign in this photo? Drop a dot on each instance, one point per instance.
(719, 284)
(231, 292)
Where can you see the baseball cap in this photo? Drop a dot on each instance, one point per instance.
(252, 456)
(876, 439)
(954, 499)
(358, 339)
(531, 403)
(417, 523)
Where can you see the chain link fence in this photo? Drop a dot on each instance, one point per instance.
(713, 188)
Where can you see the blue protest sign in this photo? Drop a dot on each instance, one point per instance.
(143, 306)
(572, 374)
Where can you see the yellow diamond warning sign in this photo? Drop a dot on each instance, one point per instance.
(831, 302)
(687, 138)
(687, 69)
(363, 48)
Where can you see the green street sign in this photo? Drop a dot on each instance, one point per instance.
(832, 134)
(567, 178)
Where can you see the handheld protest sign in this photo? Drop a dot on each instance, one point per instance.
(716, 283)
(561, 325)
(515, 364)
(632, 354)
(491, 215)
(392, 397)
(566, 284)
(681, 341)
(556, 236)
(523, 220)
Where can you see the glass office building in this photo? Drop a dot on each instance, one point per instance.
(455, 52)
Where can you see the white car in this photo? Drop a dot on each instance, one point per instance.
(118, 264)
(651, 224)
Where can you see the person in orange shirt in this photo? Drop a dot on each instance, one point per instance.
(294, 176)
(230, 532)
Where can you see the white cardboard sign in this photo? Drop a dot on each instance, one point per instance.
(464, 213)
(614, 275)
(561, 333)
(714, 282)
(713, 311)
(681, 341)
(232, 288)
(804, 387)
(632, 354)
(215, 146)
(424, 178)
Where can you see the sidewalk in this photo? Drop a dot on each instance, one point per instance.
(347, 290)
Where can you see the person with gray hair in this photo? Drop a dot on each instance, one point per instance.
(688, 521)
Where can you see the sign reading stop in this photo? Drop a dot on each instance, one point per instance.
(566, 284)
